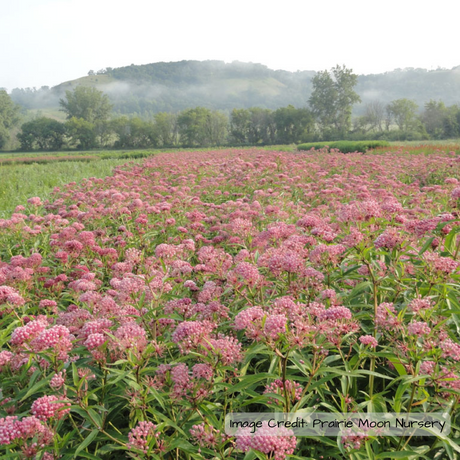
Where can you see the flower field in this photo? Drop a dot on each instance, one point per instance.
(138, 310)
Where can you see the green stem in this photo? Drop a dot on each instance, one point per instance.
(284, 364)
(408, 412)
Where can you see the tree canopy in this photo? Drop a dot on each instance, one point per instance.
(9, 116)
(42, 133)
(332, 99)
(88, 103)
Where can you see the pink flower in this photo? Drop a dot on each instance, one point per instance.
(191, 334)
(427, 367)
(279, 445)
(455, 194)
(9, 430)
(46, 407)
(95, 340)
(205, 435)
(35, 201)
(450, 349)
(418, 328)
(420, 304)
(293, 389)
(275, 325)
(248, 272)
(246, 318)
(389, 239)
(58, 380)
(5, 357)
(139, 437)
(387, 317)
(228, 349)
(203, 371)
(335, 313)
(368, 340)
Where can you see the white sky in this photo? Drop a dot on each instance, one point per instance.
(46, 42)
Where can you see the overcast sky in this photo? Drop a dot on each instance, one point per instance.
(47, 42)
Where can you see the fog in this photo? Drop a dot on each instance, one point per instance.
(175, 86)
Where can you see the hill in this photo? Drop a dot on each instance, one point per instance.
(174, 86)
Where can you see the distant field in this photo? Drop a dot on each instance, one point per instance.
(36, 174)
(426, 147)
(28, 174)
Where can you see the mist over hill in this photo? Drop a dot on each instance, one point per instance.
(174, 86)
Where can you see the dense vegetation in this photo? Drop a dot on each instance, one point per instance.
(138, 309)
(345, 146)
(202, 127)
(144, 90)
(91, 121)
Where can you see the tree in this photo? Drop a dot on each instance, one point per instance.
(332, 99)
(42, 133)
(191, 124)
(166, 129)
(87, 103)
(82, 132)
(404, 113)
(375, 114)
(134, 132)
(432, 117)
(262, 128)
(216, 127)
(451, 122)
(202, 127)
(9, 116)
(240, 123)
(291, 124)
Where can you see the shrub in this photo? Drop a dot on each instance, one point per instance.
(345, 146)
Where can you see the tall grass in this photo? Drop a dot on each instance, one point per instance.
(18, 182)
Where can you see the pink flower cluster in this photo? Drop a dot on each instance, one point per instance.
(48, 407)
(293, 390)
(13, 430)
(141, 436)
(279, 445)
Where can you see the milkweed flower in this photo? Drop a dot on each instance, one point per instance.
(368, 340)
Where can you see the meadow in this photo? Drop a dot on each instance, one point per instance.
(138, 309)
(28, 175)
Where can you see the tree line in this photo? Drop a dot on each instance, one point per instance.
(90, 125)
(328, 117)
(174, 86)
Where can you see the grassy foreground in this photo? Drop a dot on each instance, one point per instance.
(22, 181)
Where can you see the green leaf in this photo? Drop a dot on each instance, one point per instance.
(403, 454)
(96, 417)
(88, 440)
(359, 288)
(402, 388)
(88, 455)
(426, 245)
(35, 387)
(249, 380)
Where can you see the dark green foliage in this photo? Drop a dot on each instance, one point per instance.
(87, 103)
(134, 132)
(175, 86)
(9, 117)
(42, 134)
(293, 124)
(344, 146)
(332, 100)
(441, 122)
(82, 133)
(166, 129)
(202, 127)
(404, 113)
